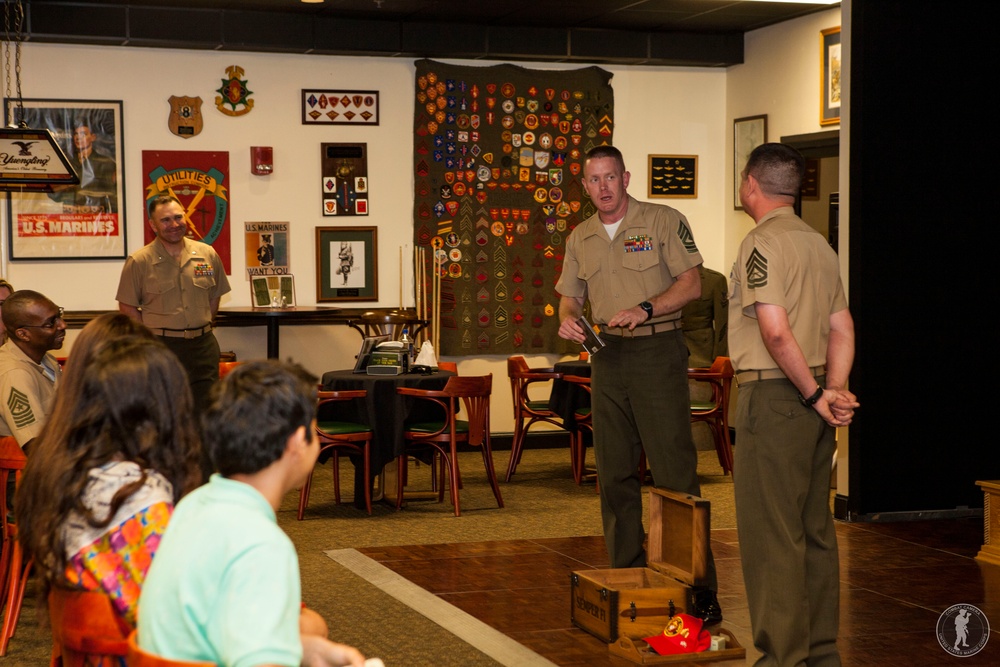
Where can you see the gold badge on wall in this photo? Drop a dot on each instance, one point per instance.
(234, 93)
(185, 116)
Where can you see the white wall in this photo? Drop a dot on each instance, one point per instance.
(780, 77)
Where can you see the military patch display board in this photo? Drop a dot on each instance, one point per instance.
(498, 174)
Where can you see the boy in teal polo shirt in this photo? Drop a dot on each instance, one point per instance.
(225, 583)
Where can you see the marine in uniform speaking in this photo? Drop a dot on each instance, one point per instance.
(637, 264)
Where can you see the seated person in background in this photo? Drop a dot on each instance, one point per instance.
(102, 479)
(6, 289)
(225, 585)
(706, 320)
(28, 373)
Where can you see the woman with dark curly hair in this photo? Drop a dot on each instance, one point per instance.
(119, 450)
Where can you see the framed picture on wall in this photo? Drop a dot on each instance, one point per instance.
(673, 176)
(339, 107)
(829, 63)
(85, 221)
(346, 264)
(749, 132)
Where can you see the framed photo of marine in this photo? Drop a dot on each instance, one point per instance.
(673, 176)
(345, 179)
(748, 133)
(85, 221)
(339, 107)
(346, 264)
(829, 103)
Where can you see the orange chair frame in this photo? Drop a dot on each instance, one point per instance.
(715, 411)
(13, 568)
(474, 392)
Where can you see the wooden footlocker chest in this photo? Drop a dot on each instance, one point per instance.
(636, 602)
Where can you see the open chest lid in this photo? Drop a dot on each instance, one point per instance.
(679, 525)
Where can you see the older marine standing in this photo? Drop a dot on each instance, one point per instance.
(791, 338)
(177, 283)
(637, 264)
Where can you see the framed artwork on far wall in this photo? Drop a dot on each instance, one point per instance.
(673, 176)
(829, 74)
(346, 264)
(749, 132)
(85, 221)
(339, 107)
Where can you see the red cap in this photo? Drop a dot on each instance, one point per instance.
(683, 634)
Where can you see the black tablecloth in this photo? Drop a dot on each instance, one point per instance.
(566, 398)
(384, 410)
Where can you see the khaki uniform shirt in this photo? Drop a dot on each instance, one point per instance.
(783, 262)
(27, 390)
(653, 245)
(172, 294)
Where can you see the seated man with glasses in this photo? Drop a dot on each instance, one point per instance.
(28, 372)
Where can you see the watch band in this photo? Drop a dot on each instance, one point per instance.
(648, 307)
(811, 401)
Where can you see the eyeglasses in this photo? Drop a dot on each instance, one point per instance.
(47, 324)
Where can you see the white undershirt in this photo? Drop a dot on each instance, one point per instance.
(612, 229)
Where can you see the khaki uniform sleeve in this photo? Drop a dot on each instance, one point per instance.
(130, 284)
(21, 407)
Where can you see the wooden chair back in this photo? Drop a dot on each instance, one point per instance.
(13, 568)
(474, 393)
(136, 657)
(715, 411)
(85, 625)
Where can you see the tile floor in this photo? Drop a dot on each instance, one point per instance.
(896, 578)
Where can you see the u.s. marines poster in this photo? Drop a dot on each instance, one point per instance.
(84, 221)
(199, 180)
(266, 248)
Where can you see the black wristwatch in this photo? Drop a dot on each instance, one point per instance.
(811, 401)
(648, 307)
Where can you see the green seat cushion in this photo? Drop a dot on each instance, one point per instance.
(538, 405)
(433, 427)
(342, 428)
(697, 405)
(582, 413)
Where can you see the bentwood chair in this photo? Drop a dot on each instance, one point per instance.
(137, 657)
(13, 567)
(584, 421)
(340, 437)
(388, 323)
(85, 628)
(442, 437)
(526, 409)
(715, 410)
